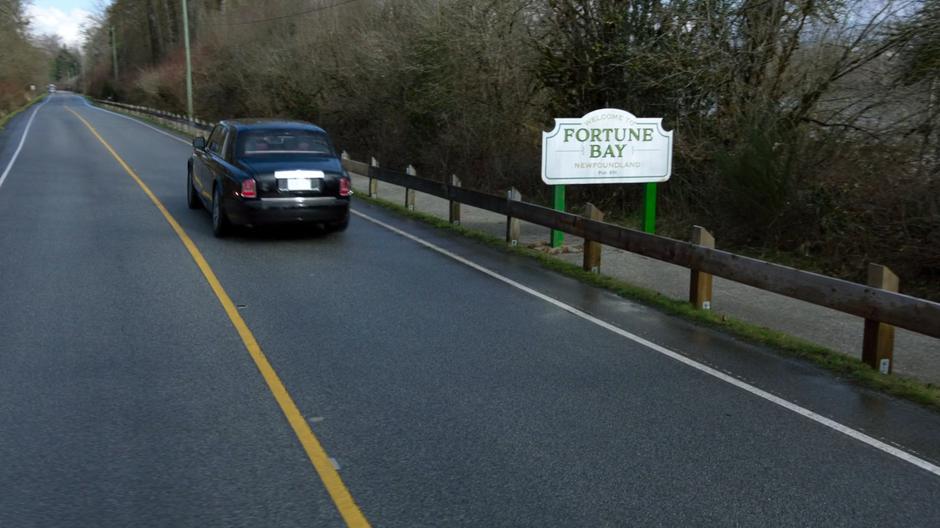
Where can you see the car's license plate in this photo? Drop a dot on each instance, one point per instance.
(299, 184)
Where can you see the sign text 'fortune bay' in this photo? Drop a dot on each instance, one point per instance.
(608, 142)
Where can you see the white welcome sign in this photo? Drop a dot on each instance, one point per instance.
(606, 146)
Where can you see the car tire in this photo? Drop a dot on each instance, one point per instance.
(220, 223)
(192, 199)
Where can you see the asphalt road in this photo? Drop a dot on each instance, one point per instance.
(444, 395)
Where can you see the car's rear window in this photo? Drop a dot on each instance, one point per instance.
(281, 142)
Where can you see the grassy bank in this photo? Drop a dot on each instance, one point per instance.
(6, 118)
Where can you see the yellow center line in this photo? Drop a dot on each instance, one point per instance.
(343, 500)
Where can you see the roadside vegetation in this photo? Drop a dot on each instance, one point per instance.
(22, 62)
(28, 63)
(807, 130)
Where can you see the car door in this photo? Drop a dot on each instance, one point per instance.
(218, 167)
(202, 171)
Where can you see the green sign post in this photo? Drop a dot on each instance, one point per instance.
(649, 207)
(558, 237)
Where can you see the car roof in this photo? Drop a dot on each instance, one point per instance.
(268, 123)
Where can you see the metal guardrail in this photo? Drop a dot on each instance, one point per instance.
(904, 311)
(171, 117)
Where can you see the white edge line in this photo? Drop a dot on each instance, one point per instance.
(19, 147)
(155, 129)
(790, 406)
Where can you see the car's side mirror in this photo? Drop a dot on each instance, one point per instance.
(199, 143)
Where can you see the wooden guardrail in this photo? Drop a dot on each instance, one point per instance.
(876, 303)
(873, 304)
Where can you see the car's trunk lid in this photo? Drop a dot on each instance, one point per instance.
(295, 177)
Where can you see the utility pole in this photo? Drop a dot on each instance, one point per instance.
(189, 63)
(114, 52)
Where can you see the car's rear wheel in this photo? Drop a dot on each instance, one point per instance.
(220, 224)
(192, 199)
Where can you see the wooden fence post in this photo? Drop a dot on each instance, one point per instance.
(700, 285)
(373, 183)
(512, 224)
(454, 216)
(410, 193)
(592, 250)
(878, 343)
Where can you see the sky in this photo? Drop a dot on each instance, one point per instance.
(62, 17)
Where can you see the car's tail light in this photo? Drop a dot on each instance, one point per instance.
(343, 187)
(248, 188)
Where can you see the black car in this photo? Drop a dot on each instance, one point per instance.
(253, 172)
